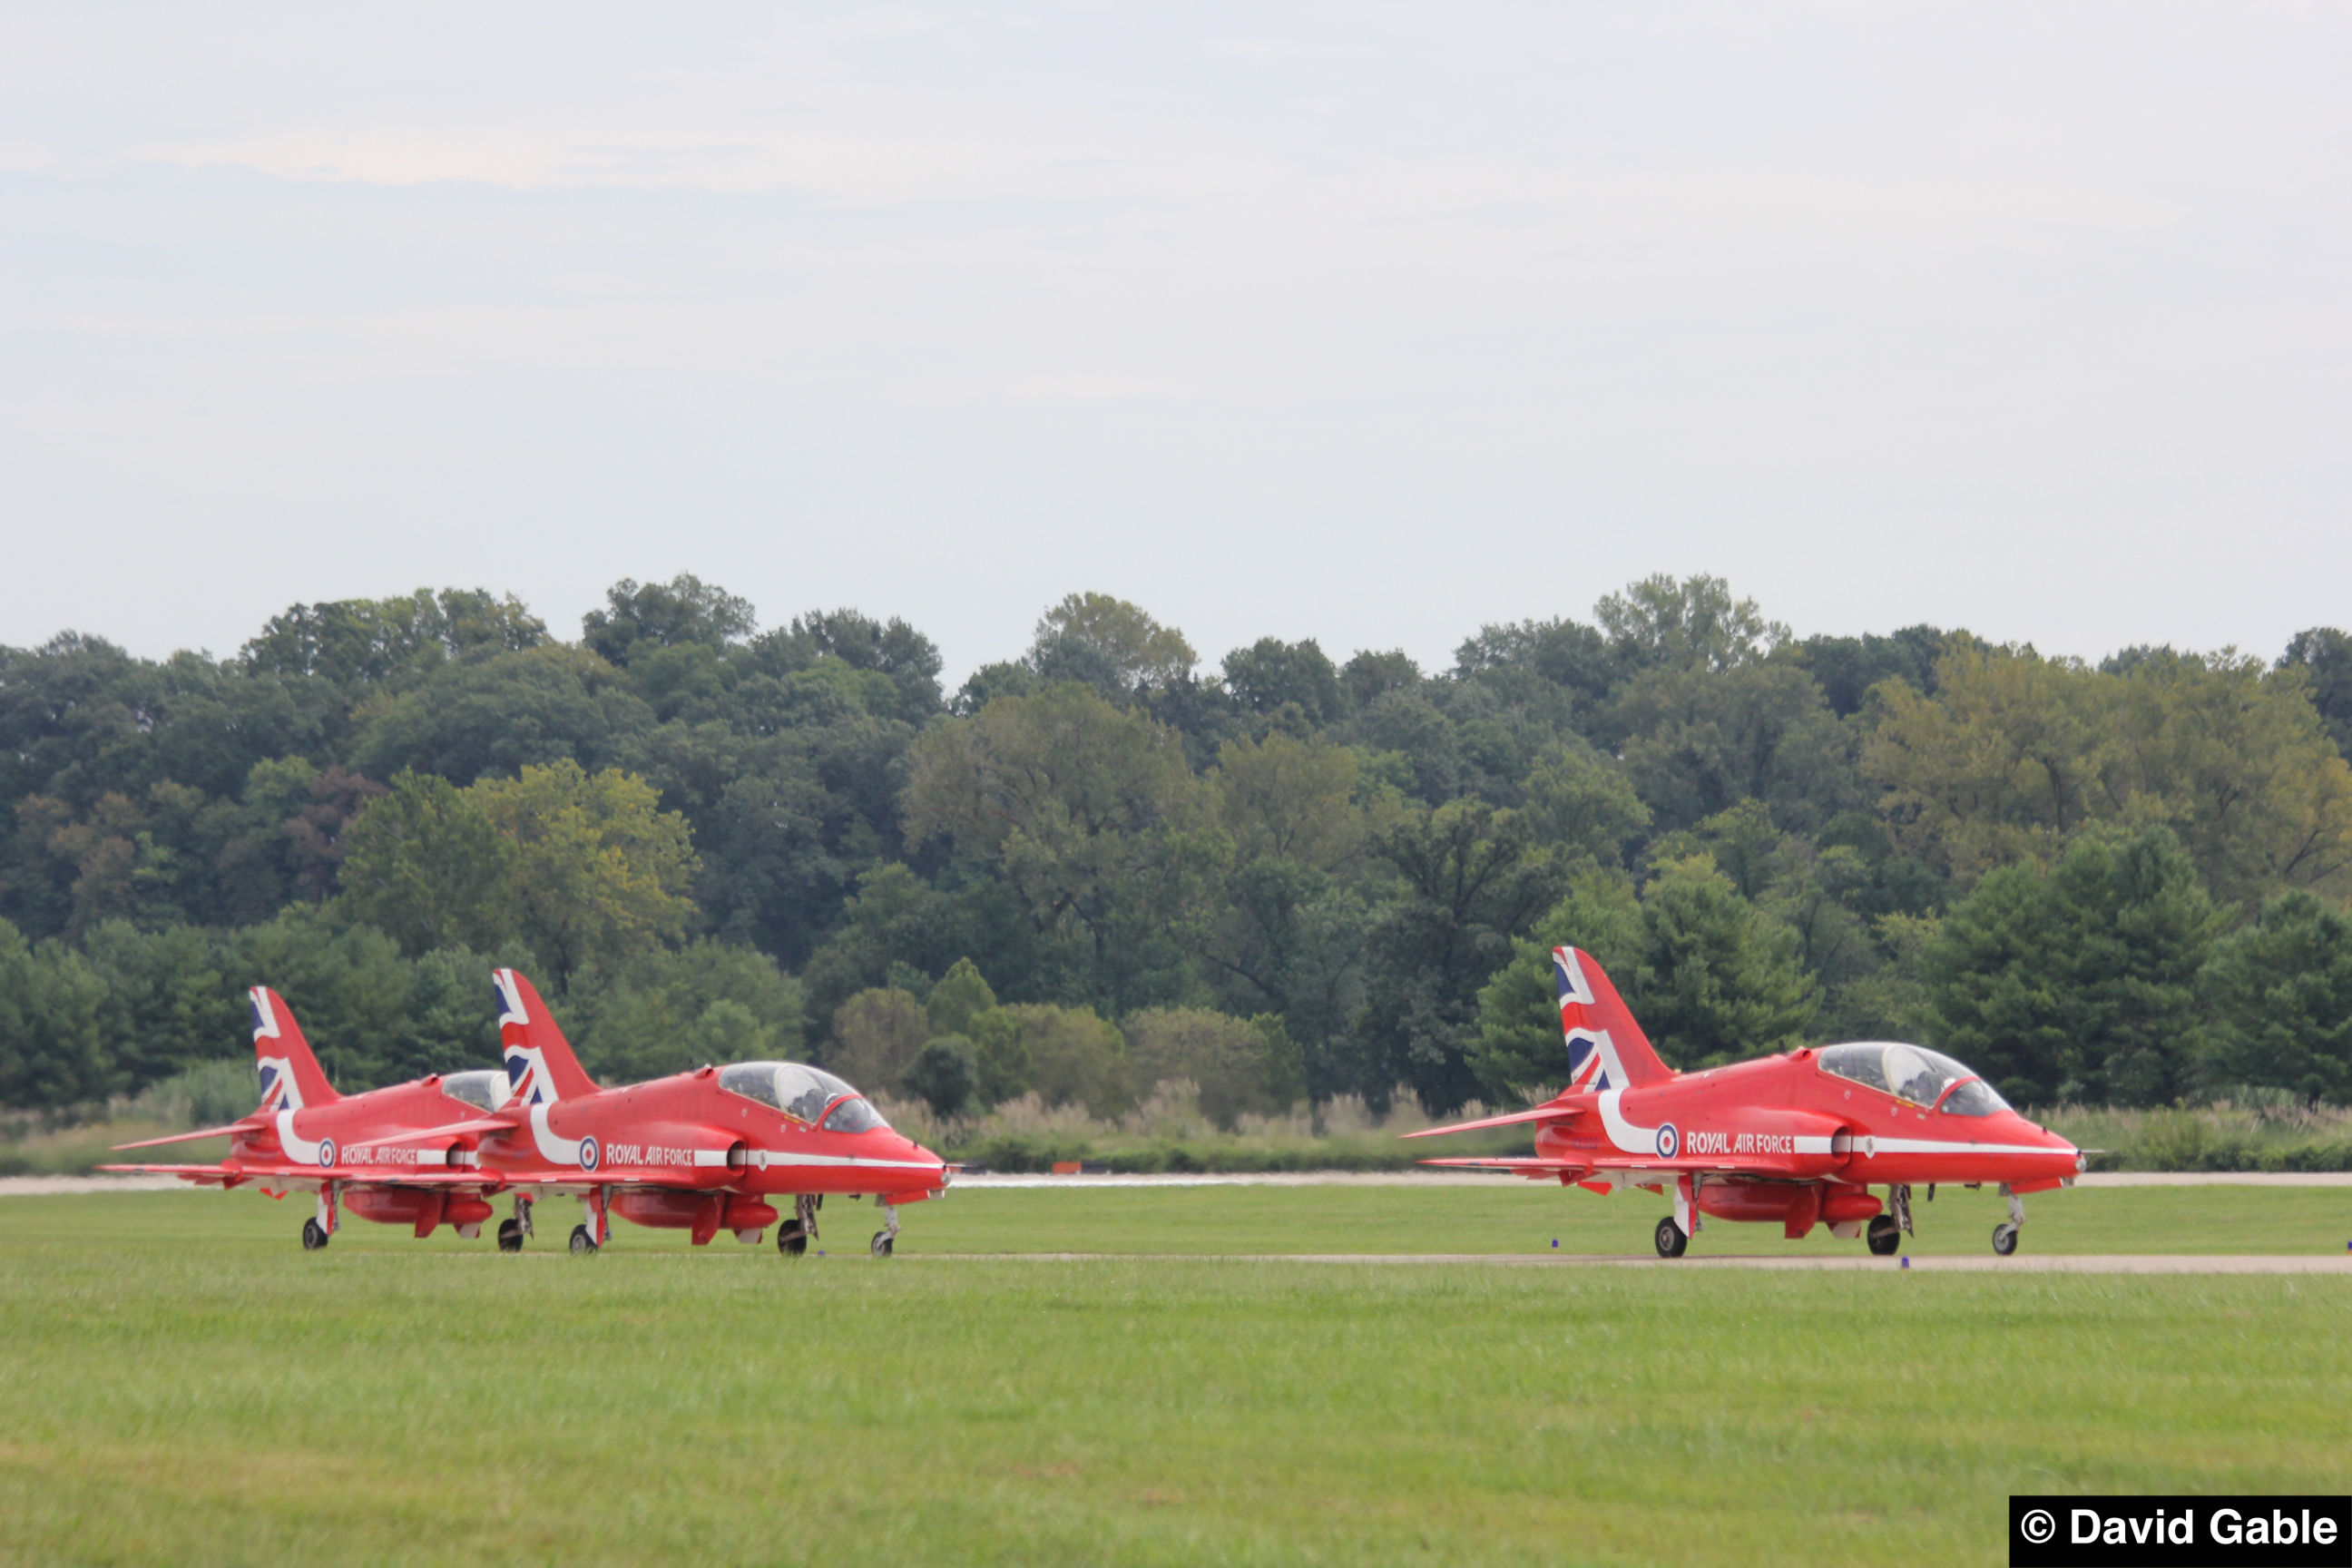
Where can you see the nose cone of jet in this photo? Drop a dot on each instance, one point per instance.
(2053, 1156)
(915, 1154)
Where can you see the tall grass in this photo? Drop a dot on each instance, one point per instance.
(2253, 1132)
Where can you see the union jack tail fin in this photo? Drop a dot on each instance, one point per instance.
(1606, 1049)
(290, 1076)
(541, 1067)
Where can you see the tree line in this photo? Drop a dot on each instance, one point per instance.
(1102, 864)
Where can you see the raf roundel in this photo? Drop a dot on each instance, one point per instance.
(1669, 1141)
(590, 1152)
(326, 1152)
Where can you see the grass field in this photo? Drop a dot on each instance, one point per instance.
(180, 1383)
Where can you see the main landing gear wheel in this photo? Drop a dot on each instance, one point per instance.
(509, 1235)
(314, 1236)
(2004, 1238)
(791, 1239)
(1884, 1235)
(1672, 1242)
(580, 1240)
(881, 1244)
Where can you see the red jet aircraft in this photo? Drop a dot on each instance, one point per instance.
(304, 1136)
(700, 1152)
(1798, 1138)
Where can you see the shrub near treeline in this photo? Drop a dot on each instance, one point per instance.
(1285, 878)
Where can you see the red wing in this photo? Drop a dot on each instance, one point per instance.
(350, 1175)
(451, 1130)
(229, 1131)
(1540, 1113)
(1533, 1170)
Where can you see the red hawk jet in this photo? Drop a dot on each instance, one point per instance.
(1797, 1139)
(304, 1136)
(702, 1151)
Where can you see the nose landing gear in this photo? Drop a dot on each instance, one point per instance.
(887, 1236)
(2004, 1236)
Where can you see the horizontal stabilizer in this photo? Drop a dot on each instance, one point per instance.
(229, 1131)
(1552, 1113)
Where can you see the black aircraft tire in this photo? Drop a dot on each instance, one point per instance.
(509, 1235)
(580, 1240)
(2004, 1238)
(1672, 1242)
(881, 1244)
(791, 1239)
(314, 1236)
(1884, 1238)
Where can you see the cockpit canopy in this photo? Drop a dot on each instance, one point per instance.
(803, 1093)
(484, 1090)
(1913, 1073)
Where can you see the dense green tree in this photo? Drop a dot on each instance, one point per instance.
(1711, 977)
(960, 993)
(1698, 742)
(356, 644)
(2324, 657)
(1520, 1053)
(2016, 754)
(427, 865)
(1472, 879)
(1848, 667)
(944, 1075)
(1238, 1065)
(1090, 817)
(597, 872)
(666, 1010)
(1110, 645)
(52, 1025)
(641, 620)
(2080, 982)
(1691, 624)
(498, 715)
(1270, 675)
(876, 1035)
(1719, 979)
(1074, 1057)
(2279, 991)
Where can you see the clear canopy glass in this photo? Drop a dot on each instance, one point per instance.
(854, 1115)
(798, 1090)
(484, 1090)
(1913, 1073)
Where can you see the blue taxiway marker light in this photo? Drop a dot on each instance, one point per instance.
(1555, 1244)
(1907, 1263)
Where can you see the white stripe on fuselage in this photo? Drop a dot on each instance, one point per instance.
(558, 1151)
(1626, 1135)
(1950, 1146)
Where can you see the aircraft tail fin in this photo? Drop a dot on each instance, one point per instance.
(541, 1067)
(1606, 1048)
(291, 1078)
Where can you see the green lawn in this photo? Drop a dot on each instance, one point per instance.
(1527, 1217)
(180, 1383)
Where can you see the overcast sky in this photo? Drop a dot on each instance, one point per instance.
(1359, 322)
